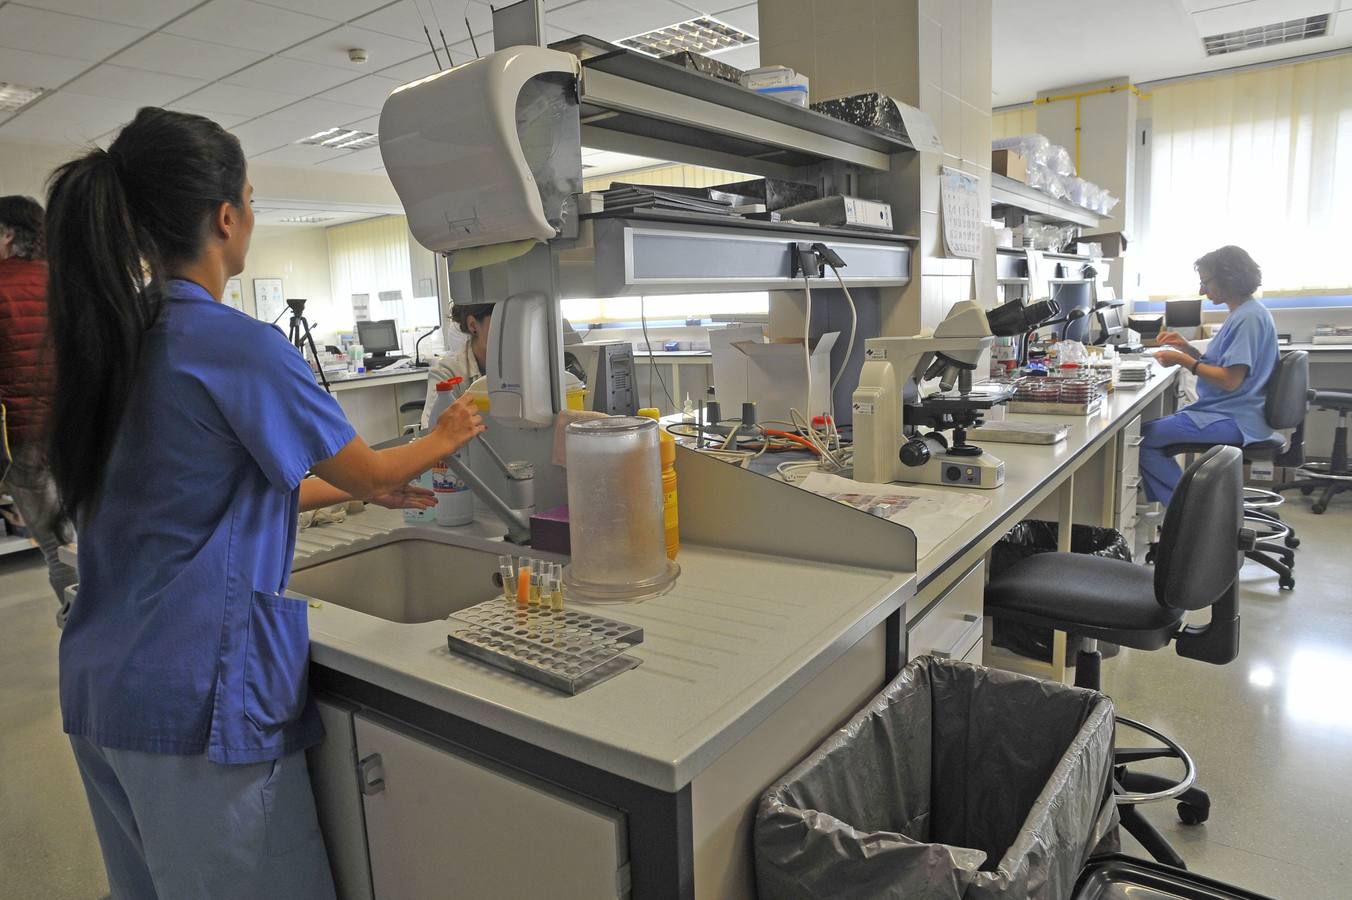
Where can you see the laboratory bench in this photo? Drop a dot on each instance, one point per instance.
(770, 638)
(371, 401)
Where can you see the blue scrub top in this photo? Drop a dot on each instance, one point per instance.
(1248, 337)
(181, 641)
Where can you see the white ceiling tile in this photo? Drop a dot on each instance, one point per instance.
(266, 133)
(68, 117)
(286, 126)
(370, 91)
(611, 21)
(138, 13)
(136, 85)
(43, 31)
(297, 155)
(370, 123)
(418, 67)
(295, 75)
(225, 120)
(243, 23)
(237, 100)
(402, 19)
(337, 10)
(743, 17)
(382, 50)
(38, 69)
(183, 56)
(743, 58)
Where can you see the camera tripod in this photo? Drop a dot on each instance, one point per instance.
(300, 337)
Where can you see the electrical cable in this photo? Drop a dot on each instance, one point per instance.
(652, 360)
(854, 327)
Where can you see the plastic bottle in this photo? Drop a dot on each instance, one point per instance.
(356, 359)
(670, 514)
(455, 502)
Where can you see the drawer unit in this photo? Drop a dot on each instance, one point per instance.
(1128, 466)
(954, 625)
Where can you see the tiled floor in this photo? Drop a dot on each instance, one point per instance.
(1272, 733)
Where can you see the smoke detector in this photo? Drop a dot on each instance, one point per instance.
(357, 55)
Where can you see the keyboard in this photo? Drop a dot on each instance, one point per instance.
(375, 363)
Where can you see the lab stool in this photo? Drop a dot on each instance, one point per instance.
(1128, 604)
(1333, 477)
(1288, 398)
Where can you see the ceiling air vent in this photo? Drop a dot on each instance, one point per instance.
(1266, 35)
(704, 35)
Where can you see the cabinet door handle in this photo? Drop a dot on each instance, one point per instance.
(371, 774)
(964, 640)
(1136, 443)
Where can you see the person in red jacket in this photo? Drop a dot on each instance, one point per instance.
(26, 381)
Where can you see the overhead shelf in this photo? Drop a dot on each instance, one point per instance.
(1006, 191)
(632, 103)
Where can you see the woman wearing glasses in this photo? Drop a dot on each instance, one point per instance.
(1232, 373)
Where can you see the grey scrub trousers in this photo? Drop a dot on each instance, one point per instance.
(183, 828)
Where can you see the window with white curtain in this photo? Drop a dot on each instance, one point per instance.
(371, 257)
(665, 307)
(1262, 159)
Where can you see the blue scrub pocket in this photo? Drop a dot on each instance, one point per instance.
(276, 661)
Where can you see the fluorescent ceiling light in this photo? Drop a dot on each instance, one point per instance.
(1267, 35)
(17, 96)
(704, 35)
(341, 139)
(306, 220)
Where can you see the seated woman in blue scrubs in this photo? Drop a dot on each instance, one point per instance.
(1231, 375)
(181, 436)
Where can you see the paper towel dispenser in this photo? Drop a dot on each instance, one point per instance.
(489, 152)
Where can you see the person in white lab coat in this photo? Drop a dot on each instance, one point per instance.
(469, 361)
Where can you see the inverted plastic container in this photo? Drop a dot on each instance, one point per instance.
(615, 516)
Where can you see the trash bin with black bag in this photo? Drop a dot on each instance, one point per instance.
(1029, 538)
(956, 781)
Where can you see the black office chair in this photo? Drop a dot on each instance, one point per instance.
(1333, 477)
(1287, 399)
(1103, 599)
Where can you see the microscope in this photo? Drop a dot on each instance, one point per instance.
(925, 381)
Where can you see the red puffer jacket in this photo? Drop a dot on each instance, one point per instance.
(25, 351)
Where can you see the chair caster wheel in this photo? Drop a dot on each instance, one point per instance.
(1318, 509)
(1190, 814)
(1287, 584)
(1293, 542)
(1307, 491)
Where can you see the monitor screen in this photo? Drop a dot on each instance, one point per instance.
(1182, 313)
(378, 337)
(1111, 316)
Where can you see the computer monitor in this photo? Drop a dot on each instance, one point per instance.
(1111, 326)
(1182, 314)
(378, 338)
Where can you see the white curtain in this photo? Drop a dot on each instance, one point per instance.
(1261, 159)
(1013, 122)
(371, 257)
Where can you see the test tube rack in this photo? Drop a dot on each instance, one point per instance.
(563, 649)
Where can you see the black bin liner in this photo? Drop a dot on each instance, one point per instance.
(956, 781)
(1031, 537)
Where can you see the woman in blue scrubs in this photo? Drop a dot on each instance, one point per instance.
(1232, 374)
(181, 435)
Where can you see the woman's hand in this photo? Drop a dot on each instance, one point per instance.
(1173, 358)
(408, 496)
(1173, 339)
(459, 424)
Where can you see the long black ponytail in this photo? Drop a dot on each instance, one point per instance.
(118, 220)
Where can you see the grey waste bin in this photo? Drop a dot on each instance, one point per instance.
(955, 781)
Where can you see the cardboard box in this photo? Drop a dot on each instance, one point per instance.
(1114, 243)
(773, 375)
(1010, 164)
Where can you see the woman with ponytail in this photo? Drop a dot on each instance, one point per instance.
(181, 433)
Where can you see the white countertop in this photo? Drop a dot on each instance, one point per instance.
(736, 637)
(1031, 467)
(343, 381)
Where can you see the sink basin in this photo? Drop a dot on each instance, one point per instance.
(408, 579)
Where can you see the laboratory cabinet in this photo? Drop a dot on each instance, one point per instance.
(952, 627)
(408, 816)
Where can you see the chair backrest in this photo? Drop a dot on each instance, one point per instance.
(1198, 557)
(1288, 391)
